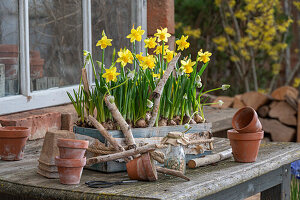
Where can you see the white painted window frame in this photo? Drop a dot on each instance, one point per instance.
(28, 100)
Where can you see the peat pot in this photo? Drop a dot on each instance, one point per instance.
(12, 142)
(245, 146)
(71, 149)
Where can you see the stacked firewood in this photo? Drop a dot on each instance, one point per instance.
(278, 112)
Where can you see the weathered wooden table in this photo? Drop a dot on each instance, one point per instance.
(227, 180)
(270, 174)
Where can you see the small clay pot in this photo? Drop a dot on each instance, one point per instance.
(245, 146)
(70, 170)
(12, 142)
(142, 168)
(71, 149)
(245, 120)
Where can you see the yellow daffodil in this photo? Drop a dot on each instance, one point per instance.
(125, 56)
(150, 43)
(111, 74)
(296, 82)
(140, 57)
(157, 75)
(158, 49)
(182, 43)
(162, 35)
(148, 62)
(169, 55)
(204, 57)
(187, 66)
(136, 34)
(104, 42)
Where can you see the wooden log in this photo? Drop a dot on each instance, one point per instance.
(106, 135)
(172, 172)
(159, 89)
(228, 101)
(284, 112)
(292, 102)
(278, 131)
(282, 92)
(237, 102)
(124, 154)
(121, 121)
(298, 125)
(209, 159)
(263, 111)
(254, 99)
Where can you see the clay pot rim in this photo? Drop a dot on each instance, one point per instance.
(14, 132)
(235, 135)
(60, 162)
(241, 130)
(72, 143)
(149, 167)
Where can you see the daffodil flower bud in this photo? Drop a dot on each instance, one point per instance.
(131, 75)
(186, 126)
(185, 96)
(199, 85)
(149, 103)
(220, 102)
(198, 79)
(225, 87)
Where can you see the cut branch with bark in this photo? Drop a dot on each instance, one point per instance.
(172, 172)
(124, 154)
(121, 121)
(159, 89)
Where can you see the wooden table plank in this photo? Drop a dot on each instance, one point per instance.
(20, 177)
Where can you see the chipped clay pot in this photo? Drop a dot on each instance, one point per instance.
(71, 149)
(245, 146)
(245, 120)
(70, 170)
(12, 142)
(142, 168)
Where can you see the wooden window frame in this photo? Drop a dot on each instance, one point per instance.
(27, 99)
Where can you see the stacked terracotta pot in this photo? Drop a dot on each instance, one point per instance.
(36, 65)
(71, 160)
(12, 142)
(246, 136)
(47, 167)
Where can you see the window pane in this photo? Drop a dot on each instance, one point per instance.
(55, 43)
(115, 18)
(9, 48)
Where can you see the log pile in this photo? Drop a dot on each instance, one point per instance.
(278, 112)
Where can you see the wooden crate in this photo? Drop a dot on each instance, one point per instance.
(144, 134)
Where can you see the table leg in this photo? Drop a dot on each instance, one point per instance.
(281, 191)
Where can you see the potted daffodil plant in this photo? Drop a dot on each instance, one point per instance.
(133, 76)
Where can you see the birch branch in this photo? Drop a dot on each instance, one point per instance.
(121, 121)
(172, 172)
(106, 135)
(124, 154)
(159, 89)
(85, 81)
(209, 159)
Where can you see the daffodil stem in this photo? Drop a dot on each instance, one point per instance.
(102, 63)
(209, 91)
(118, 85)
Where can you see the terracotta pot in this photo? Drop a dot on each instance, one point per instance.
(70, 170)
(245, 120)
(142, 168)
(9, 48)
(70, 148)
(12, 142)
(244, 146)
